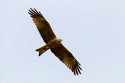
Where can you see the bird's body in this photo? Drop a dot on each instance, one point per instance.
(53, 43)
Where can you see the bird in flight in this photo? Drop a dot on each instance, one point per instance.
(53, 43)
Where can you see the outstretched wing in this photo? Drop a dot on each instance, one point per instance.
(67, 58)
(43, 26)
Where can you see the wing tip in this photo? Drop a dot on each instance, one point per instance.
(77, 69)
(34, 13)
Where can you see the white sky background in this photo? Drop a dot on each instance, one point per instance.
(93, 30)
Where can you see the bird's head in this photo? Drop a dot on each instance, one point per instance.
(57, 39)
(60, 40)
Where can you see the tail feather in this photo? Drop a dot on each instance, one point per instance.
(42, 49)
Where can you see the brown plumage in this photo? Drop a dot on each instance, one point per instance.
(53, 43)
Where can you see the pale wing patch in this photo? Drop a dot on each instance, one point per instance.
(69, 63)
(72, 64)
(39, 22)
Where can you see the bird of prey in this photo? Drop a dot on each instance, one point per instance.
(53, 43)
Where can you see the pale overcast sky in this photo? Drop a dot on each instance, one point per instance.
(93, 30)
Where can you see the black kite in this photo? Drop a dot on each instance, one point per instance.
(53, 43)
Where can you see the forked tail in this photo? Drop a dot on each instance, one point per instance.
(42, 49)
